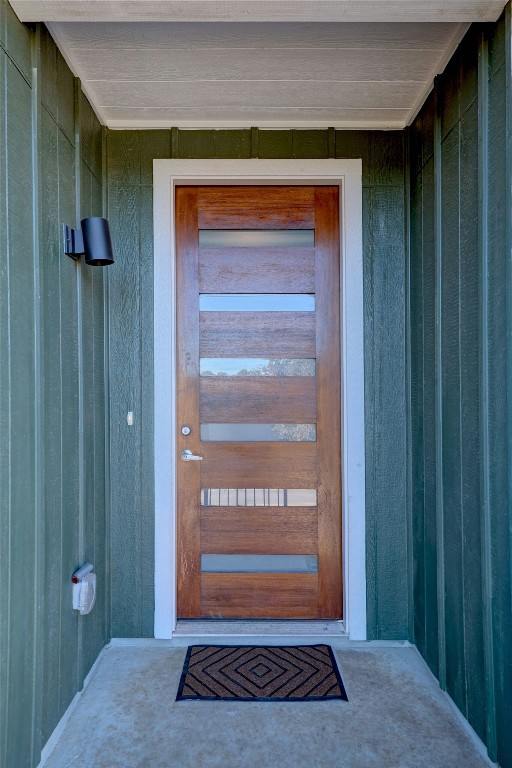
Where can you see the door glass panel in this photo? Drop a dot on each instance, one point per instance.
(256, 366)
(239, 433)
(258, 497)
(259, 563)
(256, 238)
(257, 302)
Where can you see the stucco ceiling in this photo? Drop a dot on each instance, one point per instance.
(279, 68)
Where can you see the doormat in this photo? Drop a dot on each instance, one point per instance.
(260, 673)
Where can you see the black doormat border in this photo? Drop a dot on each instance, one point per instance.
(342, 696)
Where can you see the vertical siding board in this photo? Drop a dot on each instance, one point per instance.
(449, 95)
(389, 396)
(18, 42)
(438, 391)
(469, 69)
(423, 315)
(370, 421)
(196, 144)
(98, 619)
(175, 135)
(386, 162)
(22, 417)
(52, 422)
(501, 555)
(99, 632)
(429, 552)
(124, 146)
(232, 144)
(417, 448)
(91, 138)
(106, 400)
(82, 452)
(49, 88)
(313, 144)
(86, 132)
(5, 434)
(96, 159)
(331, 142)
(69, 544)
(426, 122)
(506, 746)
(483, 245)
(87, 365)
(154, 145)
(384, 298)
(275, 144)
(125, 393)
(87, 278)
(146, 416)
(255, 142)
(497, 43)
(65, 98)
(470, 428)
(39, 447)
(451, 447)
(355, 144)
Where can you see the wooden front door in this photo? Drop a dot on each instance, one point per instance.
(258, 398)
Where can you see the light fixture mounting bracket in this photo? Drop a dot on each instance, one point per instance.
(73, 242)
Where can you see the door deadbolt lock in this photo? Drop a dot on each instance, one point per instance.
(186, 430)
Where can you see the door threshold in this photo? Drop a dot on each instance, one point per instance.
(258, 632)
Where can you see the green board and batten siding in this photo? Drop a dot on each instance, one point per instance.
(460, 303)
(52, 391)
(130, 157)
(438, 537)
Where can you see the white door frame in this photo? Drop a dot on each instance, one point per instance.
(348, 175)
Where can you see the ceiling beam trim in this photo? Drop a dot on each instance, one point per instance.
(467, 11)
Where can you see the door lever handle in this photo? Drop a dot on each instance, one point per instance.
(187, 455)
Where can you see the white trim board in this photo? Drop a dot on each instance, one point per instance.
(348, 175)
(257, 10)
(177, 642)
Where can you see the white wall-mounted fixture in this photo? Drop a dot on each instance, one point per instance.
(84, 589)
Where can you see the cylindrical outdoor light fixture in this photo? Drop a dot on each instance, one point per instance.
(97, 242)
(93, 241)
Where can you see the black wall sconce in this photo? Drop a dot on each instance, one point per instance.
(93, 241)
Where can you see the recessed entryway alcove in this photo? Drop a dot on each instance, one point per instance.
(347, 175)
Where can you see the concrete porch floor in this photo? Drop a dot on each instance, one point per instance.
(396, 717)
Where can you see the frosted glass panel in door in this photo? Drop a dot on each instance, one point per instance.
(259, 564)
(257, 302)
(256, 238)
(239, 433)
(255, 366)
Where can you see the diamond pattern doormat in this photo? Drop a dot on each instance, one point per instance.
(262, 673)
